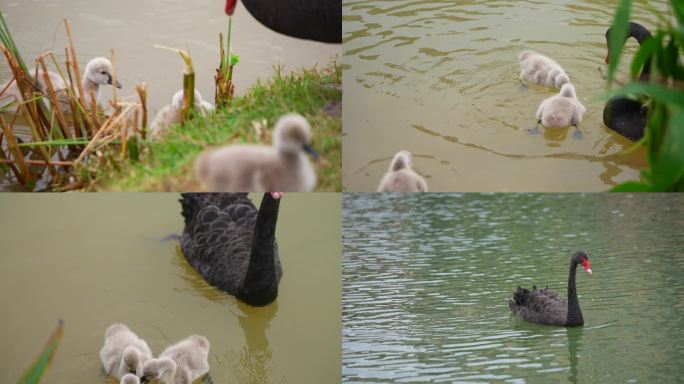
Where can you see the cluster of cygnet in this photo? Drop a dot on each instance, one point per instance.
(561, 110)
(129, 359)
(233, 168)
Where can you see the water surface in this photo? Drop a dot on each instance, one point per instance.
(427, 280)
(440, 79)
(95, 259)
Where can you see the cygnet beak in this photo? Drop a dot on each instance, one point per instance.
(118, 85)
(312, 152)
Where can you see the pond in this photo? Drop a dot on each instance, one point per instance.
(96, 259)
(427, 280)
(440, 79)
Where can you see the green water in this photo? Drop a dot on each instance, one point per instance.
(439, 78)
(427, 279)
(95, 259)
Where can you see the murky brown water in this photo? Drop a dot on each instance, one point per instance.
(440, 79)
(133, 27)
(95, 259)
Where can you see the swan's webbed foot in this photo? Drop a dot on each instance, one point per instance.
(577, 135)
(535, 130)
(522, 86)
(602, 72)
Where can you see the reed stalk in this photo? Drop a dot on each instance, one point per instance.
(188, 84)
(24, 174)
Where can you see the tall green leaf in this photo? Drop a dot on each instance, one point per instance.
(618, 35)
(41, 364)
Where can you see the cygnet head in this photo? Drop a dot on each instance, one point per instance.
(155, 369)
(568, 90)
(292, 134)
(561, 80)
(130, 378)
(401, 160)
(133, 359)
(99, 71)
(525, 54)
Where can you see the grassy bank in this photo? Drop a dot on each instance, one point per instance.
(168, 164)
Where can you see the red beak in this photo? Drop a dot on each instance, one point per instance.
(230, 7)
(587, 267)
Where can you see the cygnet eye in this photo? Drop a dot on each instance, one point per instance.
(104, 72)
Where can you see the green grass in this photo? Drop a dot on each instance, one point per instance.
(167, 165)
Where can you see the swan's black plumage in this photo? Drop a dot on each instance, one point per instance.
(543, 306)
(318, 20)
(232, 245)
(625, 116)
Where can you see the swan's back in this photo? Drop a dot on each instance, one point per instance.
(540, 306)
(217, 237)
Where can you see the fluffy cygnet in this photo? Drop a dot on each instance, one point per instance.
(123, 352)
(257, 168)
(181, 363)
(130, 378)
(561, 110)
(98, 72)
(539, 69)
(400, 177)
(170, 114)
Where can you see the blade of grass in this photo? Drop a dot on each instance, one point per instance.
(42, 363)
(617, 37)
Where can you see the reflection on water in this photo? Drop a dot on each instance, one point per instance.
(440, 79)
(95, 259)
(427, 280)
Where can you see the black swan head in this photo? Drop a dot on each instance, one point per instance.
(582, 259)
(635, 30)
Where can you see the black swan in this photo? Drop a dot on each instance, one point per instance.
(232, 245)
(542, 306)
(318, 20)
(625, 116)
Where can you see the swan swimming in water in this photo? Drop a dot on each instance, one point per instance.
(123, 352)
(232, 245)
(170, 114)
(539, 69)
(98, 72)
(401, 177)
(257, 168)
(181, 363)
(562, 110)
(542, 306)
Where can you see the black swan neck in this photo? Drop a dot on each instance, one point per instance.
(574, 311)
(641, 34)
(260, 286)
